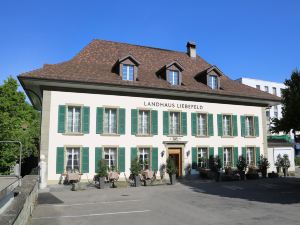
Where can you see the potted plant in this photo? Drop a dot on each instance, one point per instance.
(215, 165)
(285, 164)
(263, 166)
(278, 163)
(135, 170)
(171, 170)
(252, 173)
(241, 166)
(102, 173)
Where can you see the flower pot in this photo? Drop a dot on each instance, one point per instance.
(101, 183)
(137, 181)
(285, 171)
(264, 173)
(242, 175)
(278, 169)
(173, 179)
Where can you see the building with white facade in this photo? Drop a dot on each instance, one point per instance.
(117, 101)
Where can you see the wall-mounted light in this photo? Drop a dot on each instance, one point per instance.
(188, 153)
(162, 153)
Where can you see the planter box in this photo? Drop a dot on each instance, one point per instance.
(137, 181)
(101, 183)
(173, 179)
(273, 175)
(252, 176)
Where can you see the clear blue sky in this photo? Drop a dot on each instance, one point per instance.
(252, 38)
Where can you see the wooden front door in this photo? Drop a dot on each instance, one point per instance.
(175, 155)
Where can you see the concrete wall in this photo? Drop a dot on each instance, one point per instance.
(93, 140)
(272, 156)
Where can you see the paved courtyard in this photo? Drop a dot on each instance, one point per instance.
(193, 202)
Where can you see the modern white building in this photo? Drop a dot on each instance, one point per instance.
(117, 101)
(271, 87)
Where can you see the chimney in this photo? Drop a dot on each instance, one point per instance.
(191, 49)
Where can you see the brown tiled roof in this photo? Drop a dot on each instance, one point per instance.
(94, 64)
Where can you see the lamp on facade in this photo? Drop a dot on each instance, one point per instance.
(188, 153)
(162, 153)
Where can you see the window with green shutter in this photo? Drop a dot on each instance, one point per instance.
(154, 122)
(235, 126)
(220, 124)
(60, 155)
(134, 121)
(256, 125)
(61, 119)
(257, 153)
(99, 120)
(85, 160)
(220, 154)
(166, 122)
(194, 158)
(86, 120)
(98, 157)
(210, 125)
(194, 124)
(211, 152)
(183, 124)
(235, 156)
(244, 152)
(243, 126)
(154, 159)
(121, 121)
(121, 159)
(133, 153)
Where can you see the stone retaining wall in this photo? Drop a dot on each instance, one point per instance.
(23, 204)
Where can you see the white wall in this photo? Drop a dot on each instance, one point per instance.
(275, 151)
(93, 140)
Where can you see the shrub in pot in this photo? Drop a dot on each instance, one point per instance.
(102, 173)
(135, 170)
(285, 164)
(215, 165)
(263, 166)
(252, 173)
(278, 163)
(241, 166)
(171, 170)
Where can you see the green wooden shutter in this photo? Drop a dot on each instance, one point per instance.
(85, 160)
(220, 154)
(243, 126)
(86, 120)
(183, 124)
(210, 124)
(235, 156)
(133, 153)
(194, 124)
(244, 152)
(98, 157)
(134, 121)
(99, 120)
(154, 122)
(61, 118)
(256, 125)
(235, 126)
(211, 152)
(121, 122)
(60, 156)
(194, 158)
(220, 125)
(121, 159)
(257, 154)
(166, 116)
(154, 160)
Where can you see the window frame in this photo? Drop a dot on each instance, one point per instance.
(172, 72)
(232, 156)
(217, 81)
(266, 89)
(117, 121)
(66, 147)
(231, 125)
(180, 122)
(258, 86)
(207, 157)
(150, 122)
(117, 154)
(128, 71)
(254, 155)
(197, 114)
(274, 91)
(67, 119)
(150, 154)
(253, 126)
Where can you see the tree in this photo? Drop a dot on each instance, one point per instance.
(18, 122)
(291, 106)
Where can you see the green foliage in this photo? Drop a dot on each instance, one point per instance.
(241, 164)
(278, 162)
(171, 168)
(215, 164)
(291, 106)
(18, 122)
(136, 167)
(102, 172)
(285, 161)
(297, 161)
(263, 163)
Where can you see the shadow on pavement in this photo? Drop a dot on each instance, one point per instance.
(276, 190)
(48, 198)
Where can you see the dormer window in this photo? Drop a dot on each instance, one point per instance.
(212, 81)
(127, 72)
(174, 77)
